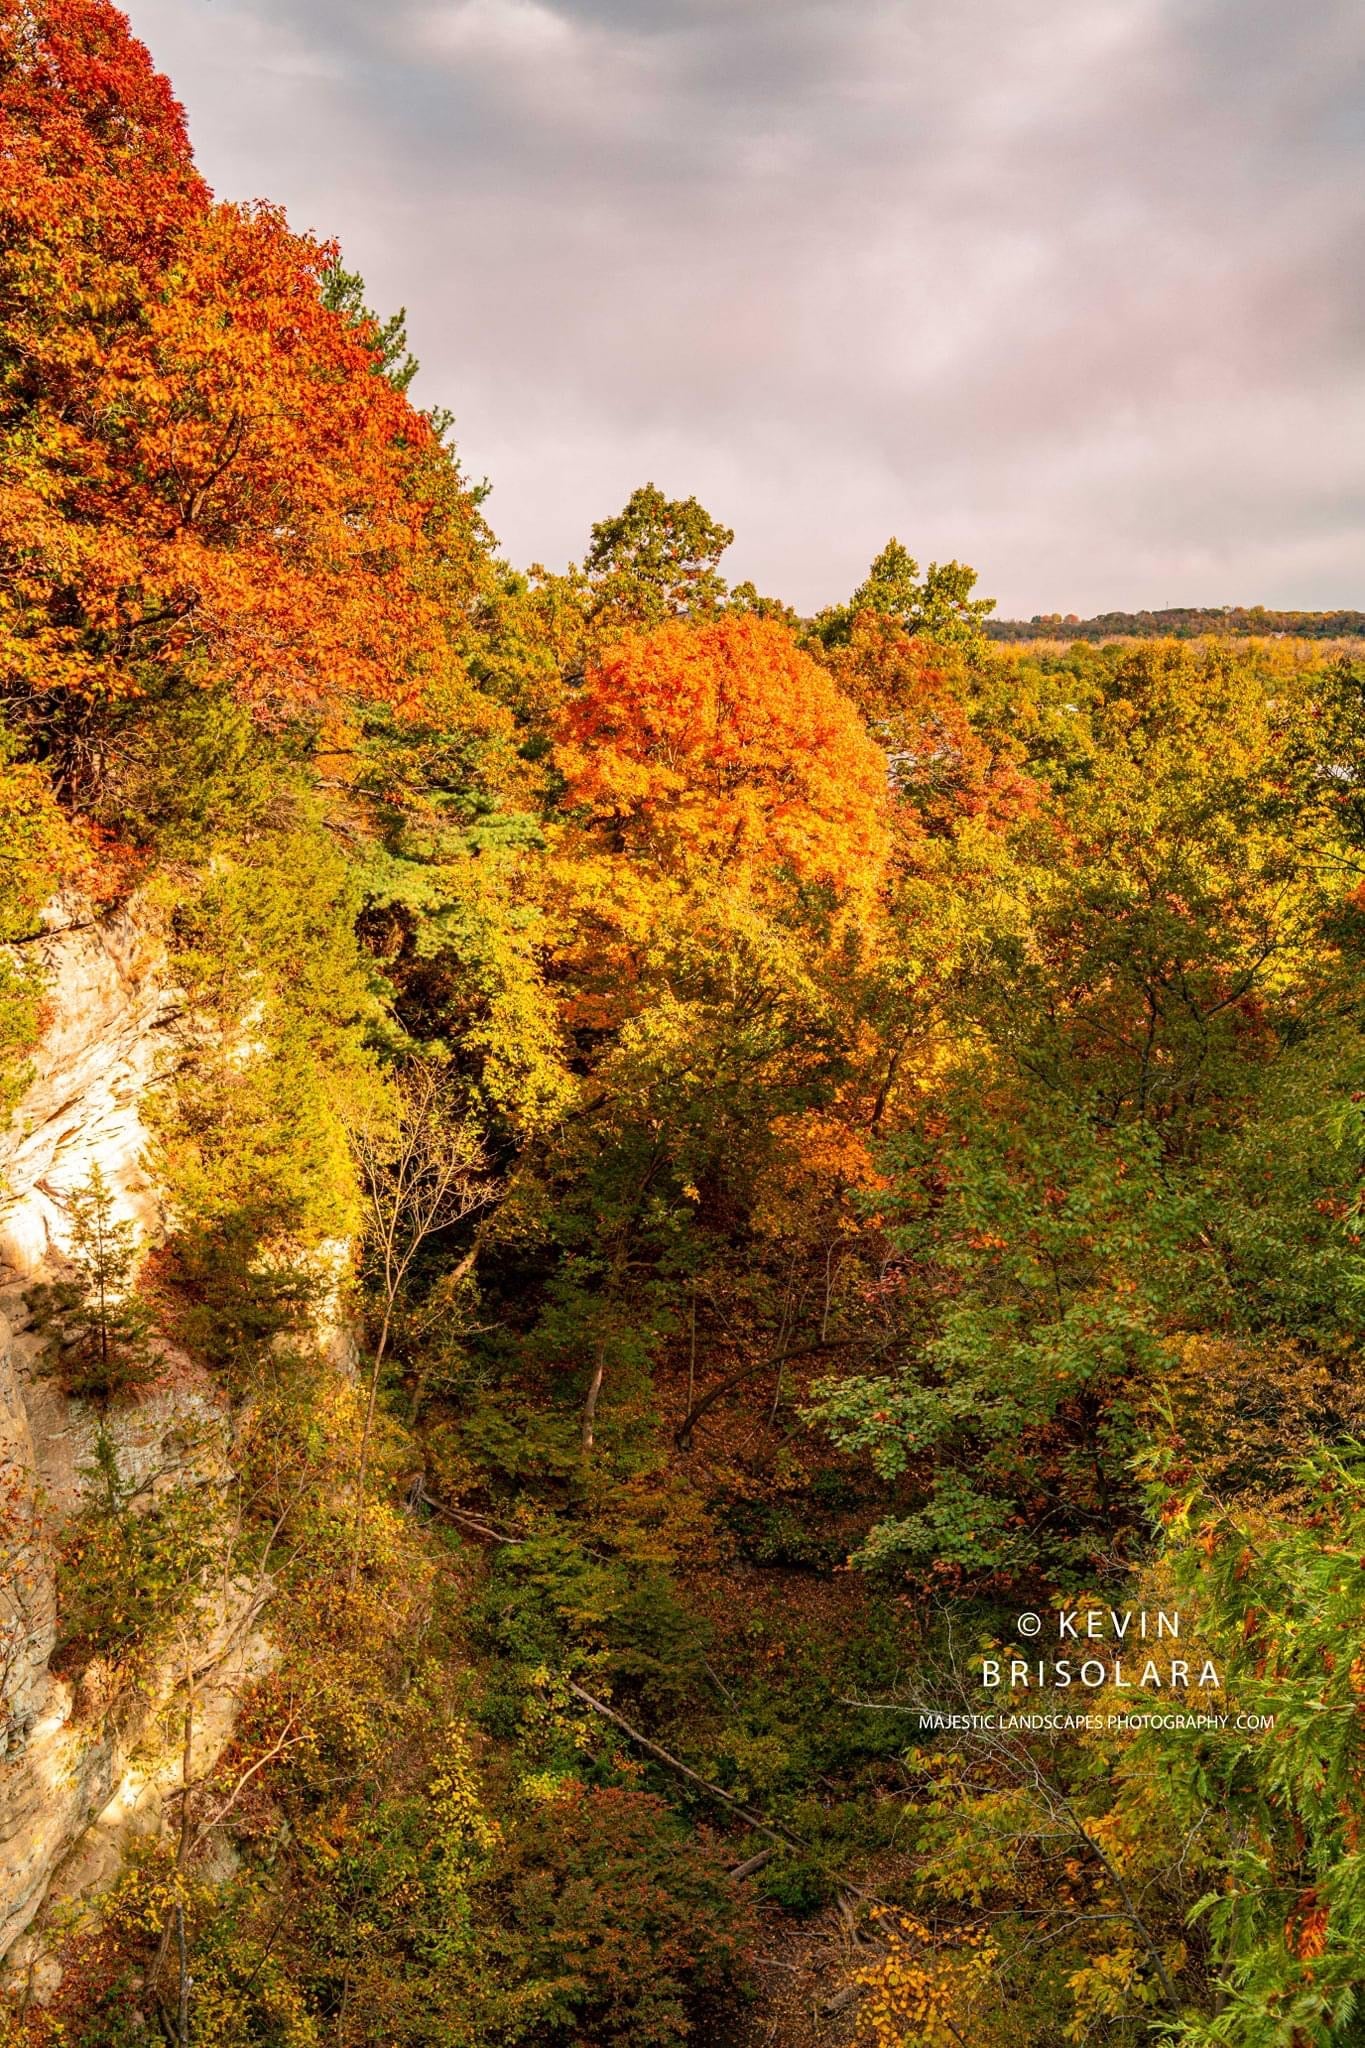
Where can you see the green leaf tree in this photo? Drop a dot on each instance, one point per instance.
(941, 606)
(657, 559)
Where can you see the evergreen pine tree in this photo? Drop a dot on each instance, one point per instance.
(99, 1323)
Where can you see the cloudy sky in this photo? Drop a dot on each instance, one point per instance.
(1069, 289)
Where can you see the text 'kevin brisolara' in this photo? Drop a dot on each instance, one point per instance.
(1104, 1626)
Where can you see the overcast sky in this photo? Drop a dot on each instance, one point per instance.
(1069, 289)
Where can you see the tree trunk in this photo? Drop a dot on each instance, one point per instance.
(594, 1392)
(364, 1459)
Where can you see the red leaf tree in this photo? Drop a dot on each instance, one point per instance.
(202, 474)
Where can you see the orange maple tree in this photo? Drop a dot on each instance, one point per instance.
(912, 693)
(202, 473)
(724, 743)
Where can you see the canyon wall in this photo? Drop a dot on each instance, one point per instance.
(86, 1761)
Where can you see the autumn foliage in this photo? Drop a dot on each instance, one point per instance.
(830, 1140)
(913, 695)
(725, 744)
(202, 474)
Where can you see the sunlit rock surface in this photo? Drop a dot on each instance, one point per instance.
(83, 1766)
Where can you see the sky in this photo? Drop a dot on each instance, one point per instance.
(1068, 289)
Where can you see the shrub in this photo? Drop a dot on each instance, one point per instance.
(622, 1916)
(131, 1565)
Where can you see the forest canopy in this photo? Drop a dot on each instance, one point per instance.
(835, 1139)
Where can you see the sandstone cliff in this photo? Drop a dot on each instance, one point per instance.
(84, 1763)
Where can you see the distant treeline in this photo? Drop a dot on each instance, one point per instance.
(1182, 622)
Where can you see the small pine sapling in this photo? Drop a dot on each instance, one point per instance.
(99, 1325)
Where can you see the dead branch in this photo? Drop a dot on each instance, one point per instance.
(675, 1763)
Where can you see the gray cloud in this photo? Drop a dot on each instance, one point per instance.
(1072, 292)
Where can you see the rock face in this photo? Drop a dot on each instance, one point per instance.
(80, 1771)
(109, 1011)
